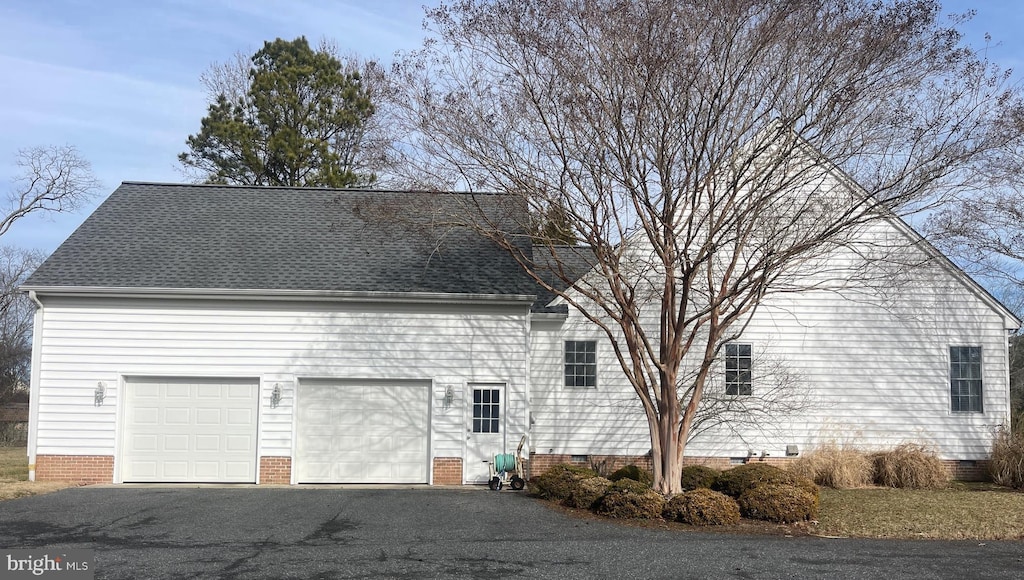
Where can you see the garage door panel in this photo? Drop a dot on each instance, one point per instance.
(144, 415)
(207, 469)
(144, 468)
(204, 391)
(373, 433)
(238, 469)
(241, 417)
(208, 417)
(207, 443)
(190, 430)
(144, 443)
(177, 391)
(177, 416)
(171, 469)
(174, 443)
(239, 443)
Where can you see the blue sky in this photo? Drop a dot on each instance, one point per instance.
(119, 79)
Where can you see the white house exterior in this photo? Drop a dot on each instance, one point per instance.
(871, 373)
(275, 335)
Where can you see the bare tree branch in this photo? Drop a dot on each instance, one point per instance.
(16, 312)
(54, 178)
(707, 156)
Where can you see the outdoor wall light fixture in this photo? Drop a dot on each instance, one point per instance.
(449, 396)
(275, 395)
(99, 394)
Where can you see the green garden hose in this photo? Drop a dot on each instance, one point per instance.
(504, 462)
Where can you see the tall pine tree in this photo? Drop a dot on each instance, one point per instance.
(299, 123)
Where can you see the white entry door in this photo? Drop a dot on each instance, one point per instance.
(190, 430)
(485, 430)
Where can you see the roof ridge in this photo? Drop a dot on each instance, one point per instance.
(305, 188)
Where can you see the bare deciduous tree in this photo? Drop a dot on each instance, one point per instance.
(15, 320)
(54, 178)
(706, 154)
(983, 229)
(51, 179)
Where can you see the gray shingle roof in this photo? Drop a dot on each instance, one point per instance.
(149, 235)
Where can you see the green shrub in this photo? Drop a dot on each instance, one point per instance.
(557, 482)
(633, 472)
(738, 480)
(630, 501)
(733, 482)
(1007, 463)
(910, 466)
(703, 507)
(776, 502)
(698, 476)
(584, 493)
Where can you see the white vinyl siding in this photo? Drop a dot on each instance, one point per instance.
(872, 364)
(86, 340)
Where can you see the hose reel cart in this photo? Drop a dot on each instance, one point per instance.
(508, 469)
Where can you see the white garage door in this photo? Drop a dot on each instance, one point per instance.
(362, 433)
(190, 430)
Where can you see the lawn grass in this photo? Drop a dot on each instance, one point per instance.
(13, 464)
(958, 513)
(14, 481)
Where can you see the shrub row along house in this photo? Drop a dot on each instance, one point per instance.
(203, 333)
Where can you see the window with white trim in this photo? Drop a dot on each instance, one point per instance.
(965, 379)
(486, 410)
(738, 363)
(581, 363)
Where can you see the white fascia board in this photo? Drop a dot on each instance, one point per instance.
(549, 315)
(296, 295)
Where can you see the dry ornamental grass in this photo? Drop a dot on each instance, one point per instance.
(834, 466)
(1007, 463)
(910, 466)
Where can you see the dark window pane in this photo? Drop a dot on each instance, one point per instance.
(580, 363)
(494, 426)
(738, 364)
(966, 379)
(476, 395)
(494, 396)
(476, 425)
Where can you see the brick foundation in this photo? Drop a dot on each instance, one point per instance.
(275, 470)
(606, 464)
(80, 469)
(539, 463)
(447, 471)
(968, 470)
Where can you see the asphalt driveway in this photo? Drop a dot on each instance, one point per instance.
(248, 532)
